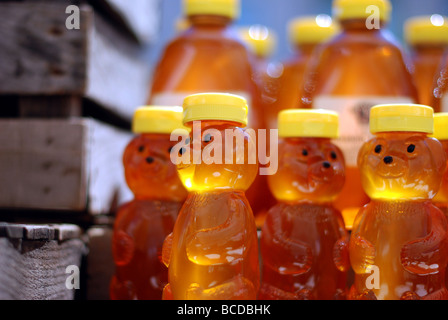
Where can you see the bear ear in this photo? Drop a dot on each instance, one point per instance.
(438, 154)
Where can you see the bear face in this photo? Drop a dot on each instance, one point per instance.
(149, 172)
(401, 166)
(218, 156)
(309, 169)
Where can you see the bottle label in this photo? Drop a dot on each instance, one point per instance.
(354, 114)
(444, 103)
(177, 99)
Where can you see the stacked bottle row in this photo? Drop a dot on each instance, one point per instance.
(344, 69)
(204, 222)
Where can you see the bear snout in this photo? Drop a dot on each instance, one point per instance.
(388, 160)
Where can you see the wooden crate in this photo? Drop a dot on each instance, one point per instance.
(62, 164)
(34, 261)
(39, 56)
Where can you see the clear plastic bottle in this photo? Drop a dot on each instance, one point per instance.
(212, 253)
(142, 225)
(398, 245)
(305, 34)
(427, 38)
(361, 67)
(304, 242)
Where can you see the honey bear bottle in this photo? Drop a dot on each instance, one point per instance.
(305, 35)
(142, 225)
(212, 253)
(398, 245)
(304, 243)
(361, 67)
(427, 37)
(441, 133)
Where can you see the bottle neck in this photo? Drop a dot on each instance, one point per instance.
(208, 21)
(305, 49)
(360, 25)
(431, 49)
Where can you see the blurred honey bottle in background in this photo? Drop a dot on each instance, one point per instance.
(440, 101)
(359, 68)
(305, 34)
(142, 224)
(210, 56)
(427, 38)
(262, 42)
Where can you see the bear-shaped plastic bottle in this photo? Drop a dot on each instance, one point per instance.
(427, 38)
(142, 225)
(304, 243)
(212, 253)
(398, 245)
(441, 133)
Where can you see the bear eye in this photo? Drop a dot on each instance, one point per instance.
(141, 149)
(378, 148)
(333, 155)
(304, 152)
(411, 148)
(208, 138)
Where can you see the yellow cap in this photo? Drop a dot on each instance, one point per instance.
(155, 119)
(260, 39)
(294, 123)
(312, 29)
(426, 29)
(441, 126)
(215, 106)
(357, 9)
(401, 117)
(226, 8)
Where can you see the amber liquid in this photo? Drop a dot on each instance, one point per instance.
(426, 60)
(404, 242)
(357, 63)
(142, 225)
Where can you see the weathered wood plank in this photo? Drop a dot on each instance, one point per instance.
(40, 56)
(72, 165)
(33, 267)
